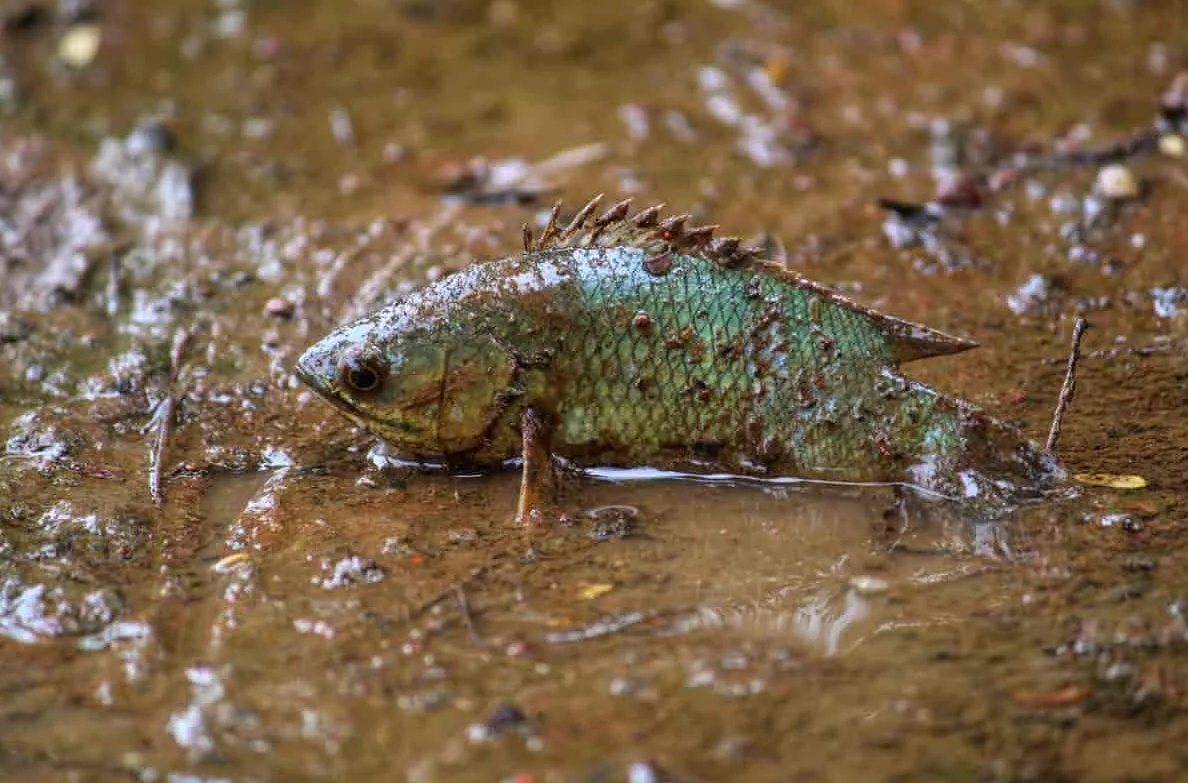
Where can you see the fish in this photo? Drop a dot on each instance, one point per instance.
(634, 340)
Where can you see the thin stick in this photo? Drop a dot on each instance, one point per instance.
(464, 605)
(114, 275)
(163, 417)
(1070, 385)
(605, 627)
(181, 339)
(446, 593)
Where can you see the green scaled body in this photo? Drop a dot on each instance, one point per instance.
(643, 343)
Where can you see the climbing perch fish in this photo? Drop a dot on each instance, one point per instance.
(629, 340)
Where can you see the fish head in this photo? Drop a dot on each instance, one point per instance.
(430, 393)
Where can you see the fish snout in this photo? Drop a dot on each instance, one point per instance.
(316, 369)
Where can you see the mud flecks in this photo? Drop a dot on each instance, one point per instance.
(504, 719)
(353, 570)
(659, 264)
(1117, 183)
(608, 523)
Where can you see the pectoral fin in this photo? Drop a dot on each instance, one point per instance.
(536, 481)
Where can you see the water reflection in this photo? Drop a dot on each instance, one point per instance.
(824, 566)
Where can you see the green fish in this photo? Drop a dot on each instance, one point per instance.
(634, 341)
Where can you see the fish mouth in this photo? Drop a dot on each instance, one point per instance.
(316, 382)
(318, 371)
(306, 376)
(312, 370)
(315, 372)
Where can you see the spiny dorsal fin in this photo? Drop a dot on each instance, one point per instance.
(645, 230)
(581, 218)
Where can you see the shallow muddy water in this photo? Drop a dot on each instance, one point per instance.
(193, 192)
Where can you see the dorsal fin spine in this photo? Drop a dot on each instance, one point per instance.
(907, 341)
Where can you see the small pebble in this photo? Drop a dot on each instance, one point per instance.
(1174, 101)
(79, 45)
(503, 719)
(1029, 297)
(959, 191)
(152, 137)
(898, 168)
(1124, 521)
(643, 772)
(279, 307)
(463, 536)
(1172, 145)
(1169, 302)
(517, 648)
(10, 91)
(256, 128)
(869, 585)
(394, 153)
(732, 748)
(635, 118)
(230, 23)
(342, 128)
(625, 686)
(1116, 182)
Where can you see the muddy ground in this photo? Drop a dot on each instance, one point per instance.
(192, 192)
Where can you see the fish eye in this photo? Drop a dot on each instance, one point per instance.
(362, 370)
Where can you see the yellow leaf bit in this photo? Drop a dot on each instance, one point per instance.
(1112, 480)
(590, 592)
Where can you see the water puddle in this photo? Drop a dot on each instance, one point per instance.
(821, 567)
(416, 595)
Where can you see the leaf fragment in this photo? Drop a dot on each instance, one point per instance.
(1112, 480)
(229, 562)
(1054, 699)
(590, 592)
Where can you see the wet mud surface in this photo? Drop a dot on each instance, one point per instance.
(205, 576)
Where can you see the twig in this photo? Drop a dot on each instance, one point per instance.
(1070, 384)
(181, 339)
(162, 419)
(163, 416)
(114, 274)
(1125, 350)
(1138, 143)
(564, 161)
(464, 605)
(601, 628)
(446, 593)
